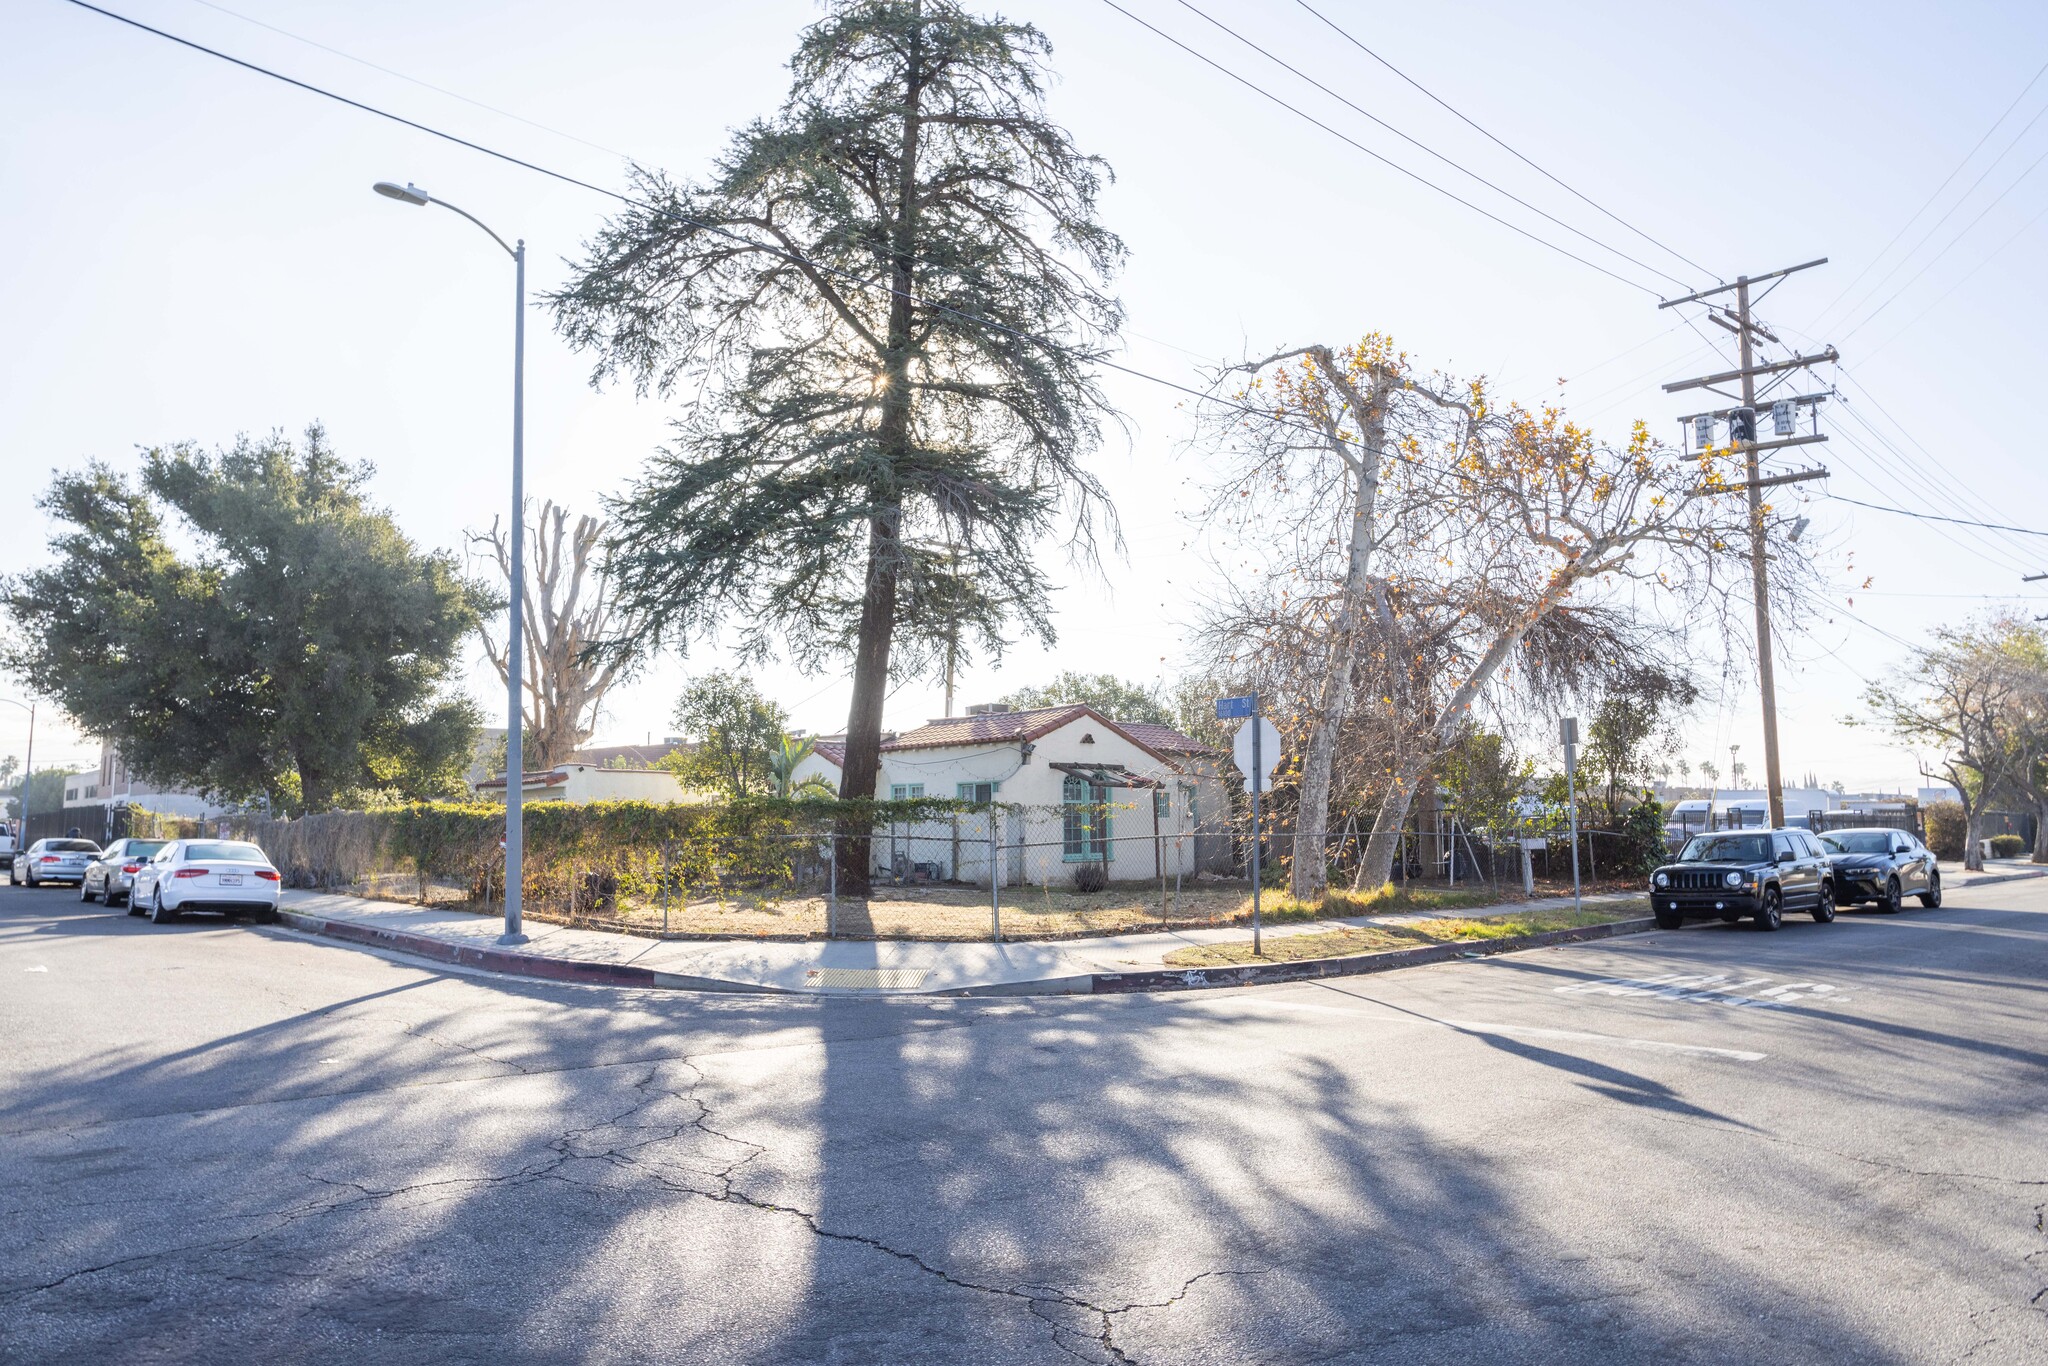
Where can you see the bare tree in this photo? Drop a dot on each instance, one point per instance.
(1506, 551)
(1964, 700)
(569, 614)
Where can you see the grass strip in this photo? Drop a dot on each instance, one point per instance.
(1348, 940)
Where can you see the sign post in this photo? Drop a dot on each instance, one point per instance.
(1568, 731)
(1253, 739)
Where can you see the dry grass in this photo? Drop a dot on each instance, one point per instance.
(1349, 939)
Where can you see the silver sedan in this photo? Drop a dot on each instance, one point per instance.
(109, 876)
(54, 860)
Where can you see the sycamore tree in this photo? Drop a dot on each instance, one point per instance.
(570, 614)
(885, 304)
(1112, 696)
(246, 623)
(1431, 552)
(1971, 701)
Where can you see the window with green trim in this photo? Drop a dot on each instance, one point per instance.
(976, 792)
(903, 792)
(1162, 804)
(1084, 821)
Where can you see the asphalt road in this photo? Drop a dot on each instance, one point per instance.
(225, 1143)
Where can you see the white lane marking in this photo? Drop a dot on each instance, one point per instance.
(1579, 1036)
(38, 968)
(1709, 988)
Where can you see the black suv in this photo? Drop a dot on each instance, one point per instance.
(1729, 874)
(1883, 867)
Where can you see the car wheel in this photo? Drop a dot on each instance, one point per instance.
(85, 891)
(31, 883)
(133, 909)
(1668, 920)
(1892, 902)
(158, 914)
(1824, 909)
(1931, 898)
(1771, 914)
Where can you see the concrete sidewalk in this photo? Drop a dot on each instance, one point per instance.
(849, 967)
(877, 967)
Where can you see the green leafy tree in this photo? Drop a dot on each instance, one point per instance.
(1635, 722)
(886, 303)
(1483, 778)
(1108, 694)
(737, 734)
(46, 791)
(245, 622)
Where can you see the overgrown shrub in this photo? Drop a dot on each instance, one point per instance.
(1642, 839)
(583, 857)
(2007, 846)
(1090, 878)
(1947, 829)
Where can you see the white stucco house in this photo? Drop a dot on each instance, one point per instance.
(1142, 801)
(577, 782)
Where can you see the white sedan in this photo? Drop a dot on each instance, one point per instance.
(212, 875)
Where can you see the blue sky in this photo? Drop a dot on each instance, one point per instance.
(193, 251)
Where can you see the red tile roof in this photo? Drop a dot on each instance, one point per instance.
(1003, 727)
(1152, 735)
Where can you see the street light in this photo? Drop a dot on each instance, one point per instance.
(28, 765)
(409, 193)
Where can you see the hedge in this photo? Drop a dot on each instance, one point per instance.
(584, 854)
(2007, 846)
(1947, 830)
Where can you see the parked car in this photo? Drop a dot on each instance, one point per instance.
(1883, 867)
(229, 876)
(1730, 874)
(51, 860)
(110, 875)
(6, 846)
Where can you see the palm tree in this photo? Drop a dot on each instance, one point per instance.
(782, 766)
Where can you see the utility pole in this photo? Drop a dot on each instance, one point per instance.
(1742, 432)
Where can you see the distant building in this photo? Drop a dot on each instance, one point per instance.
(579, 783)
(116, 785)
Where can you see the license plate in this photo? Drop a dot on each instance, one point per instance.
(230, 879)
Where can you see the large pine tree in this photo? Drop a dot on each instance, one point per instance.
(886, 304)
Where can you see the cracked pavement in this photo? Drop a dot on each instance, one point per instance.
(224, 1143)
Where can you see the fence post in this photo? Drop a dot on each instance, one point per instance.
(665, 844)
(995, 881)
(832, 885)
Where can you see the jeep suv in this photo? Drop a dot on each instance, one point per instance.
(1729, 874)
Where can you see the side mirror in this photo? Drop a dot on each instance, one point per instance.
(1784, 856)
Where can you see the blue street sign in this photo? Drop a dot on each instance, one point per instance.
(1228, 707)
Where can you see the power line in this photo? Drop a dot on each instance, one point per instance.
(1959, 282)
(1384, 160)
(1189, 6)
(1903, 227)
(1970, 227)
(1347, 37)
(1932, 517)
(1950, 212)
(412, 80)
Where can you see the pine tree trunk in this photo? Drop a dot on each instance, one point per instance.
(862, 770)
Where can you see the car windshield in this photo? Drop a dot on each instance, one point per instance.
(224, 852)
(1858, 842)
(1726, 849)
(72, 847)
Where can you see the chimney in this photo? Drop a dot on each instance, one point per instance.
(988, 708)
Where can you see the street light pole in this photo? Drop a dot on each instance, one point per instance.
(28, 766)
(515, 878)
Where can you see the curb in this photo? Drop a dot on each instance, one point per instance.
(1256, 974)
(508, 961)
(513, 963)
(1998, 878)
